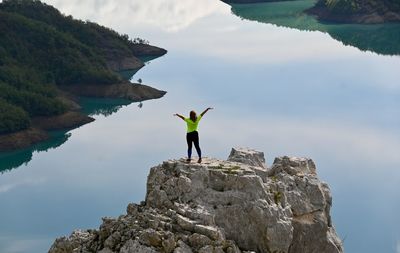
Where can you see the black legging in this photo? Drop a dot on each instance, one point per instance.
(193, 137)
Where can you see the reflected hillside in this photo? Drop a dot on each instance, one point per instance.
(382, 39)
(102, 106)
(108, 106)
(12, 160)
(90, 106)
(129, 73)
(171, 15)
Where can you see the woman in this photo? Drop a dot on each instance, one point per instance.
(192, 136)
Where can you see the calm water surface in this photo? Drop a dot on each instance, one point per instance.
(284, 85)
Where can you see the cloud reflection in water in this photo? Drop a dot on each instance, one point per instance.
(168, 15)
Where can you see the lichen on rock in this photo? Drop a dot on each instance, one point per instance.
(232, 206)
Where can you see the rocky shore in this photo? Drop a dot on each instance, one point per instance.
(232, 206)
(133, 62)
(22, 139)
(131, 91)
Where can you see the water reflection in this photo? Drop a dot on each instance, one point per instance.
(168, 15)
(12, 160)
(128, 74)
(102, 106)
(382, 38)
(90, 106)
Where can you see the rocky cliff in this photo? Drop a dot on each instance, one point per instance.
(232, 206)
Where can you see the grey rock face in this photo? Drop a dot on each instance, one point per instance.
(219, 206)
(247, 156)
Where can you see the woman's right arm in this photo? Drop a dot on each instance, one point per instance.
(180, 116)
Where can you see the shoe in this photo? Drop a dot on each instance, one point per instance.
(188, 160)
(199, 161)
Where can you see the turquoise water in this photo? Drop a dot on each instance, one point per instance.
(382, 39)
(278, 88)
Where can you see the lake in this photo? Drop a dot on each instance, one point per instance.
(280, 82)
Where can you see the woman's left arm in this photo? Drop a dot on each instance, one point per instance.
(205, 111)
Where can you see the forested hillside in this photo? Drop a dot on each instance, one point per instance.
(347, 11)
(40, 49)
(358, 11)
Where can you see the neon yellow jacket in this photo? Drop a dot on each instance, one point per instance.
(192, 126)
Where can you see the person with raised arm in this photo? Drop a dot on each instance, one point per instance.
(192, 136)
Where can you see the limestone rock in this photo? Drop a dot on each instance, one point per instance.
(133, 246)
(71, 243)
(220, 206)
(247, 156)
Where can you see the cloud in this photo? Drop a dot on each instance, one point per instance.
(26, 182)
(398, 247)
(216, 37)
(349, 142)
(274, 45)
(16, 245)
(221, 35)
(169, 15)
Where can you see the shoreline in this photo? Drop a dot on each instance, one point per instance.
(131, 91)
(73, 118)
(365, 13)
(324, 15)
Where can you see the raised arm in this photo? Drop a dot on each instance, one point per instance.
(205, 111)
(180, 116)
